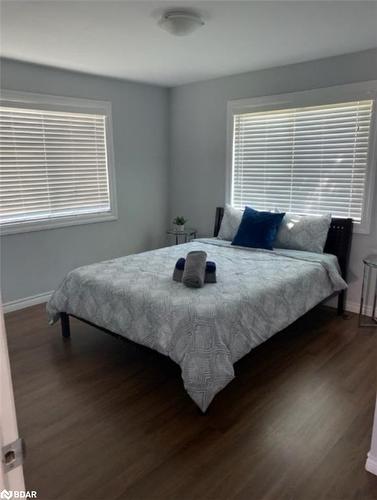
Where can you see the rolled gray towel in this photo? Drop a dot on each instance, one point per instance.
(195, 269)
(209, 277)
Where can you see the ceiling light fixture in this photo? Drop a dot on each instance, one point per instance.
(180, 23)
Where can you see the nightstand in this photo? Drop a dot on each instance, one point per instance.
(187, 235)
(369, 284)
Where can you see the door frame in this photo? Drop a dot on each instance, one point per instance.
(14, 479)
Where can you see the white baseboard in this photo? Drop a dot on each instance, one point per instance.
(355, 308)
(15, 305)
(371, 464)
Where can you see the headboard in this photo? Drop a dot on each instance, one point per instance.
(338, 239)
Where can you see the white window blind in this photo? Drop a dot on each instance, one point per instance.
(306, 160)
(52, 165)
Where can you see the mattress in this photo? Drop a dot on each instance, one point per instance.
(206, 330)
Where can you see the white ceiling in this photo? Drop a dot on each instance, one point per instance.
(122, 39)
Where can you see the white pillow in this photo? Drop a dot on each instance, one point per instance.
(229, 225)
(303, 232)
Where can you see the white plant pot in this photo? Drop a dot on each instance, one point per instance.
(179, 228)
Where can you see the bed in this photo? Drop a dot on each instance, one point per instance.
(205, 331)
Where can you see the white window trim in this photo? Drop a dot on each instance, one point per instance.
(71, 104)
(330, 95)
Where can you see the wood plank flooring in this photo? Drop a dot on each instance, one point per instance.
(104, 419)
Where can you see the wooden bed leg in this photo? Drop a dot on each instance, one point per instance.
(341, 303)
(64, 321)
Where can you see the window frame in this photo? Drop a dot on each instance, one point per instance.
(49, 102)
(317, 97)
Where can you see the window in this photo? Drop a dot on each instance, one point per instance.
(55, 166)
(303, 158)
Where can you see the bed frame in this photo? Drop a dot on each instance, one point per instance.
(338, 243)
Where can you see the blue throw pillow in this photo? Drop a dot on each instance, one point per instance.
(258, 229)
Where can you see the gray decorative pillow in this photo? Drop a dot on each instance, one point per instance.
(303, 232)
(229, 225)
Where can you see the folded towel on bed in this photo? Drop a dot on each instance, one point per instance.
(210, 272)
(210, 276)
(195, 269)
(210, 267)
(180, 264)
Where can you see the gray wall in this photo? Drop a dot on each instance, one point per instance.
(35, 262)
(187, 123)
(198, 136)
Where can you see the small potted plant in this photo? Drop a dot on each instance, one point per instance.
(179, 223)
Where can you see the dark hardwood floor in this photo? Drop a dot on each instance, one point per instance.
(104, 419)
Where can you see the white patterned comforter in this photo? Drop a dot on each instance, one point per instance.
(206, 330)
